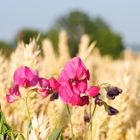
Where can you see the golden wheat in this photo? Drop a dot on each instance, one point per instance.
(47, 115)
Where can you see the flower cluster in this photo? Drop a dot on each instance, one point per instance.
(71, 86)
(24, 77)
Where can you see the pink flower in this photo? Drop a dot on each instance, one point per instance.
(93, 91)
(13, 91)
(25, 76)
(48, 86)
(73, 82)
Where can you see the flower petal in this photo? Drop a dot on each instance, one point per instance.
(43, 82)
(82, 85)
(83, 101)
(10, 98)
(44, 92)
(65, 92)
(93, 91)
(53, 83)
(74, 99)
(14, 90)
(74, 68)
(25, 76)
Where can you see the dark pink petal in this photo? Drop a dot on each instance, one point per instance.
(65, 92)
(14, 90)
(81, 69)
(44, 83)
(75, 90)
(82, 72)
(63, 77)
(82, 85)
(87, 74)
(70, 70)
(31, 76)
(77, 100)
(74, 99)
(93, 91)
(70, 94)
(17, 93)
(44, 92)
(10, 98)
(83, 101)
(74, 69)
(25, 76)
(53, 83)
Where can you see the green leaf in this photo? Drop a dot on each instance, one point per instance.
(2, 121)
(62, 137)
(4, 127)
(55, 134)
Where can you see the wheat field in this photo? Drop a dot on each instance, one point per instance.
(47, 115)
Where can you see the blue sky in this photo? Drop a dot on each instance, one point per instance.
(122, 15)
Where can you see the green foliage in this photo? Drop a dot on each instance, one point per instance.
(6, 132)
(26, 35)
(109, 42)
(77, 23)
(52, 34)
(6, 48)
(62, 137)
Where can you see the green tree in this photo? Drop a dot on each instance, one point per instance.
(77, 23)
(26, 35)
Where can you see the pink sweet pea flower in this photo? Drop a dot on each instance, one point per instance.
(73, 82)
(13, 92)
(93, 91)
(25, 76)
(48, 86)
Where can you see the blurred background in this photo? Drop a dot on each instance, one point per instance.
(113, 24)
(105, 34)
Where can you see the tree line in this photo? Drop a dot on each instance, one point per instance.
(75, 23)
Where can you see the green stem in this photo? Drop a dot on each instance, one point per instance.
(27, 107)
(91, 116)
(68, 109)
(90, 109)
(29, 116)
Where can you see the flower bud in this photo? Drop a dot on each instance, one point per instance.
(86, 117)
(112, 92)
(54, 96)
(99, 101)
(112, 111)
